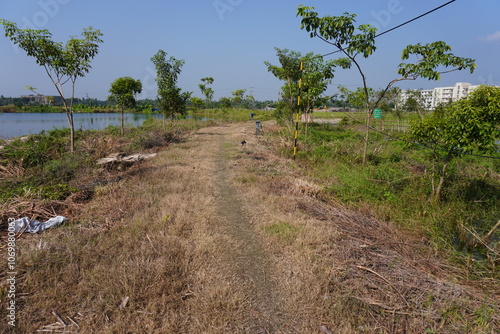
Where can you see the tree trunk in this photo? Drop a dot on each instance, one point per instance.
(123, 131)
(442, 177)
(69, 115)
(437, 191)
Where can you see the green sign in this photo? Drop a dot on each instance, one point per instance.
(377, 113)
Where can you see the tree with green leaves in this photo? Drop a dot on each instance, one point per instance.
(238, 96)
(316, 75)
(196, 102)
(171, 99)
(123, 92)
(207, 91)
(467, 126)
(225, 103)
(431, 60)
(63, 63)
(290, 73)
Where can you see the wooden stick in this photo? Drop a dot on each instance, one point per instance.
(481, 241)
(124, 302)
(74, 322)
(488, 236)
(60, 319)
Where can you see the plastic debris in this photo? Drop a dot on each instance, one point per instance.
(34, 226)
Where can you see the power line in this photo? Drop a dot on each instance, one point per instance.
(402, 24)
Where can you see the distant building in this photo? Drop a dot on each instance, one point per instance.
(432, 98)
(41, 99)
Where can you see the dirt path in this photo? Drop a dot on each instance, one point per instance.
(246, 257)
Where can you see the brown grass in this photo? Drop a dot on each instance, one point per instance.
(211, 237)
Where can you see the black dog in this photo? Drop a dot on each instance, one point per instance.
(243, 143)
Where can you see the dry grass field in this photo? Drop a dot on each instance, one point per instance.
(212, 236)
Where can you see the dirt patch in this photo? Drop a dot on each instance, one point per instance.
(246, 256)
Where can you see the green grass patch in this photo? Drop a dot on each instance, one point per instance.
(283, 231)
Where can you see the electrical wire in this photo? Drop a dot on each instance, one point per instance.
(400, 25)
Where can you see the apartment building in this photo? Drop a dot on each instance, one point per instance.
(432, 98)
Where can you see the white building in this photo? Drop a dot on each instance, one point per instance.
(439, 95)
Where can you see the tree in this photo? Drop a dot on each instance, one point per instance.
(170, 98)
(123, 92)
(62, 63)
(225, 103)
(316, 74)
(357, 98)
(208, 92)
(196, 102)
(432, 59)
(467, 126)
(289, 72)
(238, 96)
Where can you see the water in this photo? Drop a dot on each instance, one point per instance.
(22, 124)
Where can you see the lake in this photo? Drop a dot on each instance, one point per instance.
(22, 124)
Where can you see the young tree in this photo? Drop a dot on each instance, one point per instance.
(63, 63)
(316, 74)
(290, 73)
(208, 92)
(171, 99)
(123, 92)
(467, 126)
(238, 96)
(432, 59)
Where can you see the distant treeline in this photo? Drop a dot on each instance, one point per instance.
(54, 104)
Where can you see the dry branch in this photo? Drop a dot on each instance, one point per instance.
(387, 281)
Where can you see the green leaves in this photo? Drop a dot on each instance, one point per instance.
(71, 60)
(169, 95)
(468, 125)
(433, 60)
(123, 91)
(208, 92)
(316, 75)
(339, 31)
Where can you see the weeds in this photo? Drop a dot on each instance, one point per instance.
(398, 184)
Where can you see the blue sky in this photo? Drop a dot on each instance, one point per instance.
(229, 40)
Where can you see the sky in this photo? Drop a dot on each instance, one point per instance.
(229, 40)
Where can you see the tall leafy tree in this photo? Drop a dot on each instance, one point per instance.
(63, 63)
(289, 72)
(207, 91)
(431, 60)
(171, 99)
(123, 92)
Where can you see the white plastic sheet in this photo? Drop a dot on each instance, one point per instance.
(34, 226)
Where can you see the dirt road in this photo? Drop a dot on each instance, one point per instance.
(213, 236)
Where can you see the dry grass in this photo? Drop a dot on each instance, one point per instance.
(211, 237)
